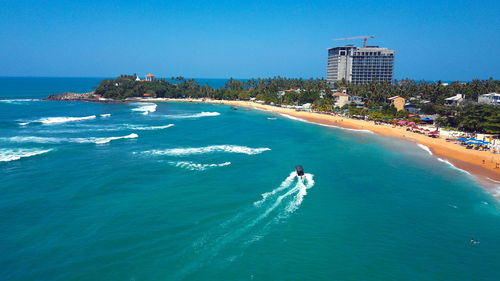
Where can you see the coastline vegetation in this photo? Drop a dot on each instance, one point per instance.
(428, 97)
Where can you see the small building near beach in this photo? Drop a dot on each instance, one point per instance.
(284, 92)
(398, 102)
(340, 99)
(455, 100)
(357, 100)
(491, 98)
(150, 77)
(411, 108)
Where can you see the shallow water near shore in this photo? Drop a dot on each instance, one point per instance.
(185, 191)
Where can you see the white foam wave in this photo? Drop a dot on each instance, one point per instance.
(7, 155)
(105, 115)
(208, 149)
(453, 166)
(104, 128)
(495, 181)
(196, 115)
(58, 120)
(188, 165)
(149, 128)
(107, 140)
(54, 140)
(426, 148)
(145, 108)
(294, 118)
(325, 125)
(17, 101)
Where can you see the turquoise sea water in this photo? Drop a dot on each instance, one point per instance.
(175, 191)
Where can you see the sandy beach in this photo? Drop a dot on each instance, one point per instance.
(482, 164)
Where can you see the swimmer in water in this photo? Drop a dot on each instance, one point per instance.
(474, 241)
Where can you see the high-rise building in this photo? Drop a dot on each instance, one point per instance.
(360, 65)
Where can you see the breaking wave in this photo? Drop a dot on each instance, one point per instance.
(196, 115)
(58, 120)
(107, 140)
(53, 140)
(149, 128)
(145, 108)
(7, 155)
(188, 165)
(453, 166)
(425, 148)
(324, 125)
(17, 101)
(208, 149)
(108, 128)
(105, 115)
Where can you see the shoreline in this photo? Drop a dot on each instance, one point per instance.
(481, 164)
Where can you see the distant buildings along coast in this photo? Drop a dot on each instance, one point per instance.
(360, 65)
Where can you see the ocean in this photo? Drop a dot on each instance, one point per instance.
(186, 191)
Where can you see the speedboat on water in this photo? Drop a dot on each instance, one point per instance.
(299, 170)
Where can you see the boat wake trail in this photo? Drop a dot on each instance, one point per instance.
(229, 240)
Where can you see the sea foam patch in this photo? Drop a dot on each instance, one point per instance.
(17, 101)
(55, 140)
(149, 128)
(426, 148)
(188, 165)
(58, 120)
(7, 155)
(195, 115)
(145, 107)
(453, 166)
(208, 149)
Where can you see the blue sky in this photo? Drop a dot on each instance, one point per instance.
(448, 40)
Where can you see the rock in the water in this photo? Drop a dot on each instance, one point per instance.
(72, 96)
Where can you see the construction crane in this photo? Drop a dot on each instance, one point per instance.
(365, 38)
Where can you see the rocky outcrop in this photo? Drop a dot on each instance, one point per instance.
(72, 96)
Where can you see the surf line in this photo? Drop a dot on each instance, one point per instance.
(274, 205)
